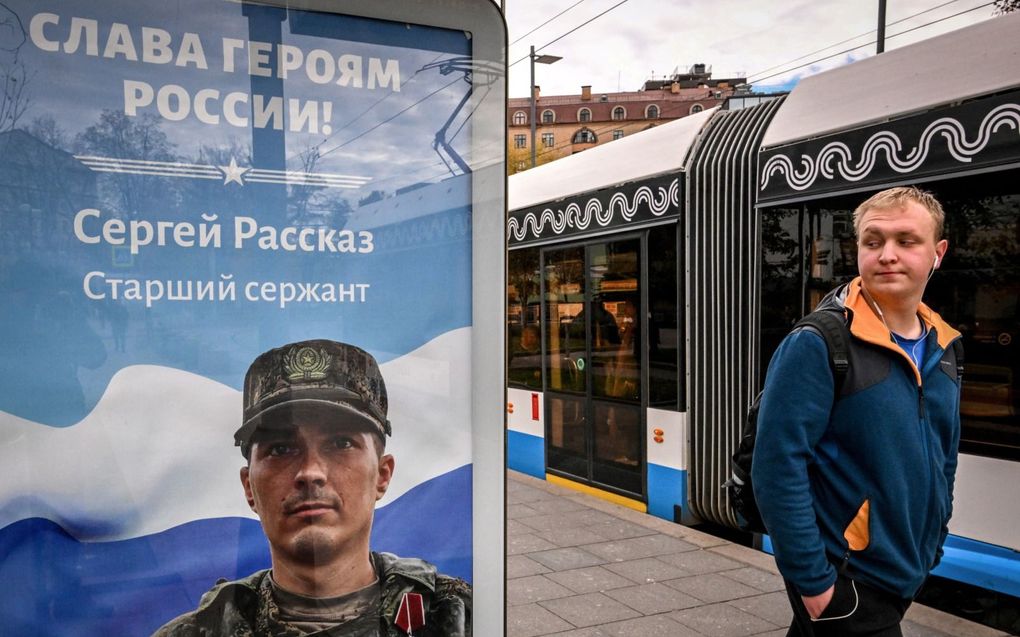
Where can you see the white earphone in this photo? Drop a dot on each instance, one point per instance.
(935, 267)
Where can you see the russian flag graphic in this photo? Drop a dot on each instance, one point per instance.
(119, 522)
(146, 260)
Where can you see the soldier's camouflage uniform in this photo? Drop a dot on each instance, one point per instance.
(245, 607)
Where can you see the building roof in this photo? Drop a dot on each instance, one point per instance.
(545, 101)
(603, 112)
(972, 61)
(655, 151)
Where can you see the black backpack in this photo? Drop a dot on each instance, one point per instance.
(831, 324)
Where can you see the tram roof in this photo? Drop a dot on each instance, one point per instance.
(654, 151)
(976, 60)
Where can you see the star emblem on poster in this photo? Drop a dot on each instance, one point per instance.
(231, 173)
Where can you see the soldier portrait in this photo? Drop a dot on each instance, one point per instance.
(313, 435)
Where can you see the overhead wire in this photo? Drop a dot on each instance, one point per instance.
(845, 51)
(546, 22)
(390, 118)
(366, 111)
(585, 23)
(851, 39)
(589, 21)
(394, 116)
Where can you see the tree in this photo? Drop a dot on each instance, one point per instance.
(118, 136)
(301, 195)
(13, 76)
(519, 159)
(45, 129)
(1006, 6)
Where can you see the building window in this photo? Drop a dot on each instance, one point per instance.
(584, 115)
(520, 118)
(548, 140)
(619, 113)
(520, 141)
(652, 112)
(585, 136)
(548, 117)
(617, 134)
(697, 108)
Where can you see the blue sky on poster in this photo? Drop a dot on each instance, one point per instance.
(179, 182)
(644, 39)
(393, 156)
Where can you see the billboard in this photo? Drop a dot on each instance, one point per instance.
(184, 186)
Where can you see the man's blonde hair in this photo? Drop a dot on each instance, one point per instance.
(898, 198)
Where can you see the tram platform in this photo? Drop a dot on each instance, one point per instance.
(579, 566)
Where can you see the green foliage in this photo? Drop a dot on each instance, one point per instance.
(1006, 6)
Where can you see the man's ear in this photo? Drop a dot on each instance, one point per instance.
(386, 465)
(246, 483)
(941, 248)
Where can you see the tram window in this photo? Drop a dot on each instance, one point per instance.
(830, 252)
(617, 446)
(664, 336)
(977, 290)
(615, 320)
(809, 250)
(524, 340)
(781, 278)
(564, 328)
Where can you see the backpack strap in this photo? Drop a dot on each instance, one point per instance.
(832, 326)
(958, 353)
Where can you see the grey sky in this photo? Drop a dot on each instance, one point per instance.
(642, 39)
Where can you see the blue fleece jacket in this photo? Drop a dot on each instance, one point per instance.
(867, 479)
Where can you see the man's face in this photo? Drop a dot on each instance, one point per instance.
(314, 487)
(896, 252)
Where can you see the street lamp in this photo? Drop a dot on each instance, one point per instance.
(880, 46)
(541, 59)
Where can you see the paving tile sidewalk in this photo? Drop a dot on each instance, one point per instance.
(578, 566)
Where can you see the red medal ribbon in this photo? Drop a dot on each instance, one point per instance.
(411, 614)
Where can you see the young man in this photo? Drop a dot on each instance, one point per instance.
(855, 483)
(314, 435)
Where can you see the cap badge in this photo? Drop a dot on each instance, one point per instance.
(306, 363)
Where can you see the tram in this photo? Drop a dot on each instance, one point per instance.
(650, 280)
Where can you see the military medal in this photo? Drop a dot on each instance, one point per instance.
(411, 614)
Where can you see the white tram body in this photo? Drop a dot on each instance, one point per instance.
(650, 280)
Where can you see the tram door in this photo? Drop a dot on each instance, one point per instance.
(593, 341)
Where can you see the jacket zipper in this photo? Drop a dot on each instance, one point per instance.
(926, 439)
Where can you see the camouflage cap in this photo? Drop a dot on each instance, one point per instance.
(319, 374)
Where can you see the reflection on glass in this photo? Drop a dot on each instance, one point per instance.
(524, 340)
(565, 322)
(567, 443)
(977, 290)
(618, 446)
(161, 223)
(616, 339)
(831, 252)
(663, 328)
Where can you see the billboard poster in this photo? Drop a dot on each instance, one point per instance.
(184, 186)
